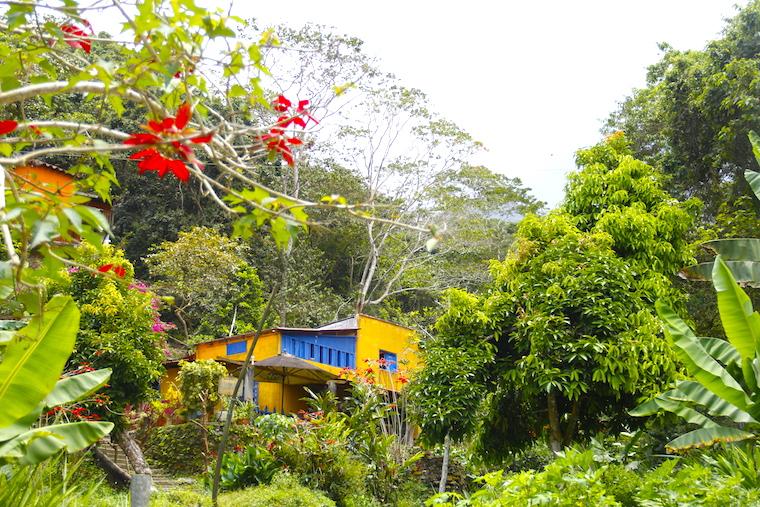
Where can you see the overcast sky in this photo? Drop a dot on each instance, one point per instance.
(533, 80)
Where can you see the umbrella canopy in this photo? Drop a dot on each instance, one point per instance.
(290, 370)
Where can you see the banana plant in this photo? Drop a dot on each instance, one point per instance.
(723, 395)
(742, 255)
(31, 362)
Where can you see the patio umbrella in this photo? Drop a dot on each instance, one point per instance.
(291, 370)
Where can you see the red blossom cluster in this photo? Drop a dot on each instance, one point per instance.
(170, 152)
(276, 140)
(84, 367)
(7, 126)
(80, 413)
(117, 270)
(78, 37)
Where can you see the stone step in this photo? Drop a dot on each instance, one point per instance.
(161, 480)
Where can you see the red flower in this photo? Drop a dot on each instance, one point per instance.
(7, 126)
(166, 135)
(281, 104)
(276, 140)
(117, 270)
(77, 38)
(402, 379)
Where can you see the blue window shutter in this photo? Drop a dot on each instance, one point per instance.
(236, 348)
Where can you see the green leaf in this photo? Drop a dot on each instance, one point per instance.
(21, 425)
(745, 272)
(688, 390)
(721, 350)
(735, 249)
(740, 322)
(38, 444)
(44, 231)
(698, 362)
(35, 358)
(705, 437)
(752, 177)
(77, 387)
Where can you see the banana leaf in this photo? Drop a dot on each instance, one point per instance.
(706, 370)
(740, 322)
(77, 387)
(38, 444)
(705, 437)
(34, 359)
(721, 350)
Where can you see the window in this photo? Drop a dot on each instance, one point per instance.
(236, 348)
(387, 361)
(334, 350)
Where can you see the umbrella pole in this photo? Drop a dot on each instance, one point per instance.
(282, 396)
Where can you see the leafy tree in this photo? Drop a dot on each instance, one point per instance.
(570, 309)
(692, 117)
(621, 196)
(119, 328)
(445, 395)
(214, 290)
(582, 342)
(199, 384)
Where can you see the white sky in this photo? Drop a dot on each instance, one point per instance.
(533, 80)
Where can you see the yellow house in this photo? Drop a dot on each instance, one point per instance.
(387, 350)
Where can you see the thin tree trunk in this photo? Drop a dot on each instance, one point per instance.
(555, 432)
(445, 465)
(115, 474)
(133, 452)
(572, 422)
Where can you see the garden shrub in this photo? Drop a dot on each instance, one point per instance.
(571, 480)
(274, 427)
(692, 484)
(534, 457)
(284, 491)
(178, 449)
(181, 497)
(621, 483)
(254, 466)
(327, 466)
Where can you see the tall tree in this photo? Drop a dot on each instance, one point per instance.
(693, 116)
(215, 292)
(570, 310)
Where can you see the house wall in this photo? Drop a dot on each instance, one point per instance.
(269, 345)
(170, 378)
(375, 335)
(50, 180)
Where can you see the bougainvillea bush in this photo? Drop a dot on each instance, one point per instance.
(120, 327)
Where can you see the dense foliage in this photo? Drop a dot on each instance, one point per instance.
(120, 326)
(569, 313)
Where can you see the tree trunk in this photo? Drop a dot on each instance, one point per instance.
(133, 452)
(116, 475)
(555, 432)
(445, 465)
(572, 422)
